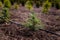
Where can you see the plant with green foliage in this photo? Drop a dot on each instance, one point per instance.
(16, 6)
(29, 5)
(34, 23)
(7, 3)
(46, 6)
(1, 5)
(5, 11)
(6, 15)
(55, 3)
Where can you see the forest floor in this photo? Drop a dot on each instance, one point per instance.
(13, 31)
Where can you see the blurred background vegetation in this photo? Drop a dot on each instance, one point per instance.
(38, 3)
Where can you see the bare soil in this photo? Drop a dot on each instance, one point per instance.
(13, 31)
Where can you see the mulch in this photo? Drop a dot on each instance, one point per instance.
(13, 31)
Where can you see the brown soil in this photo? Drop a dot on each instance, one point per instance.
(13, 31)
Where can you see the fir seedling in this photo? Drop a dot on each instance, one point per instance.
(7, 3)
(1, 5)
(34, 23)
(6, 14)
(16, 6)
(46, 7)
(5, 11)
(29, 5)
